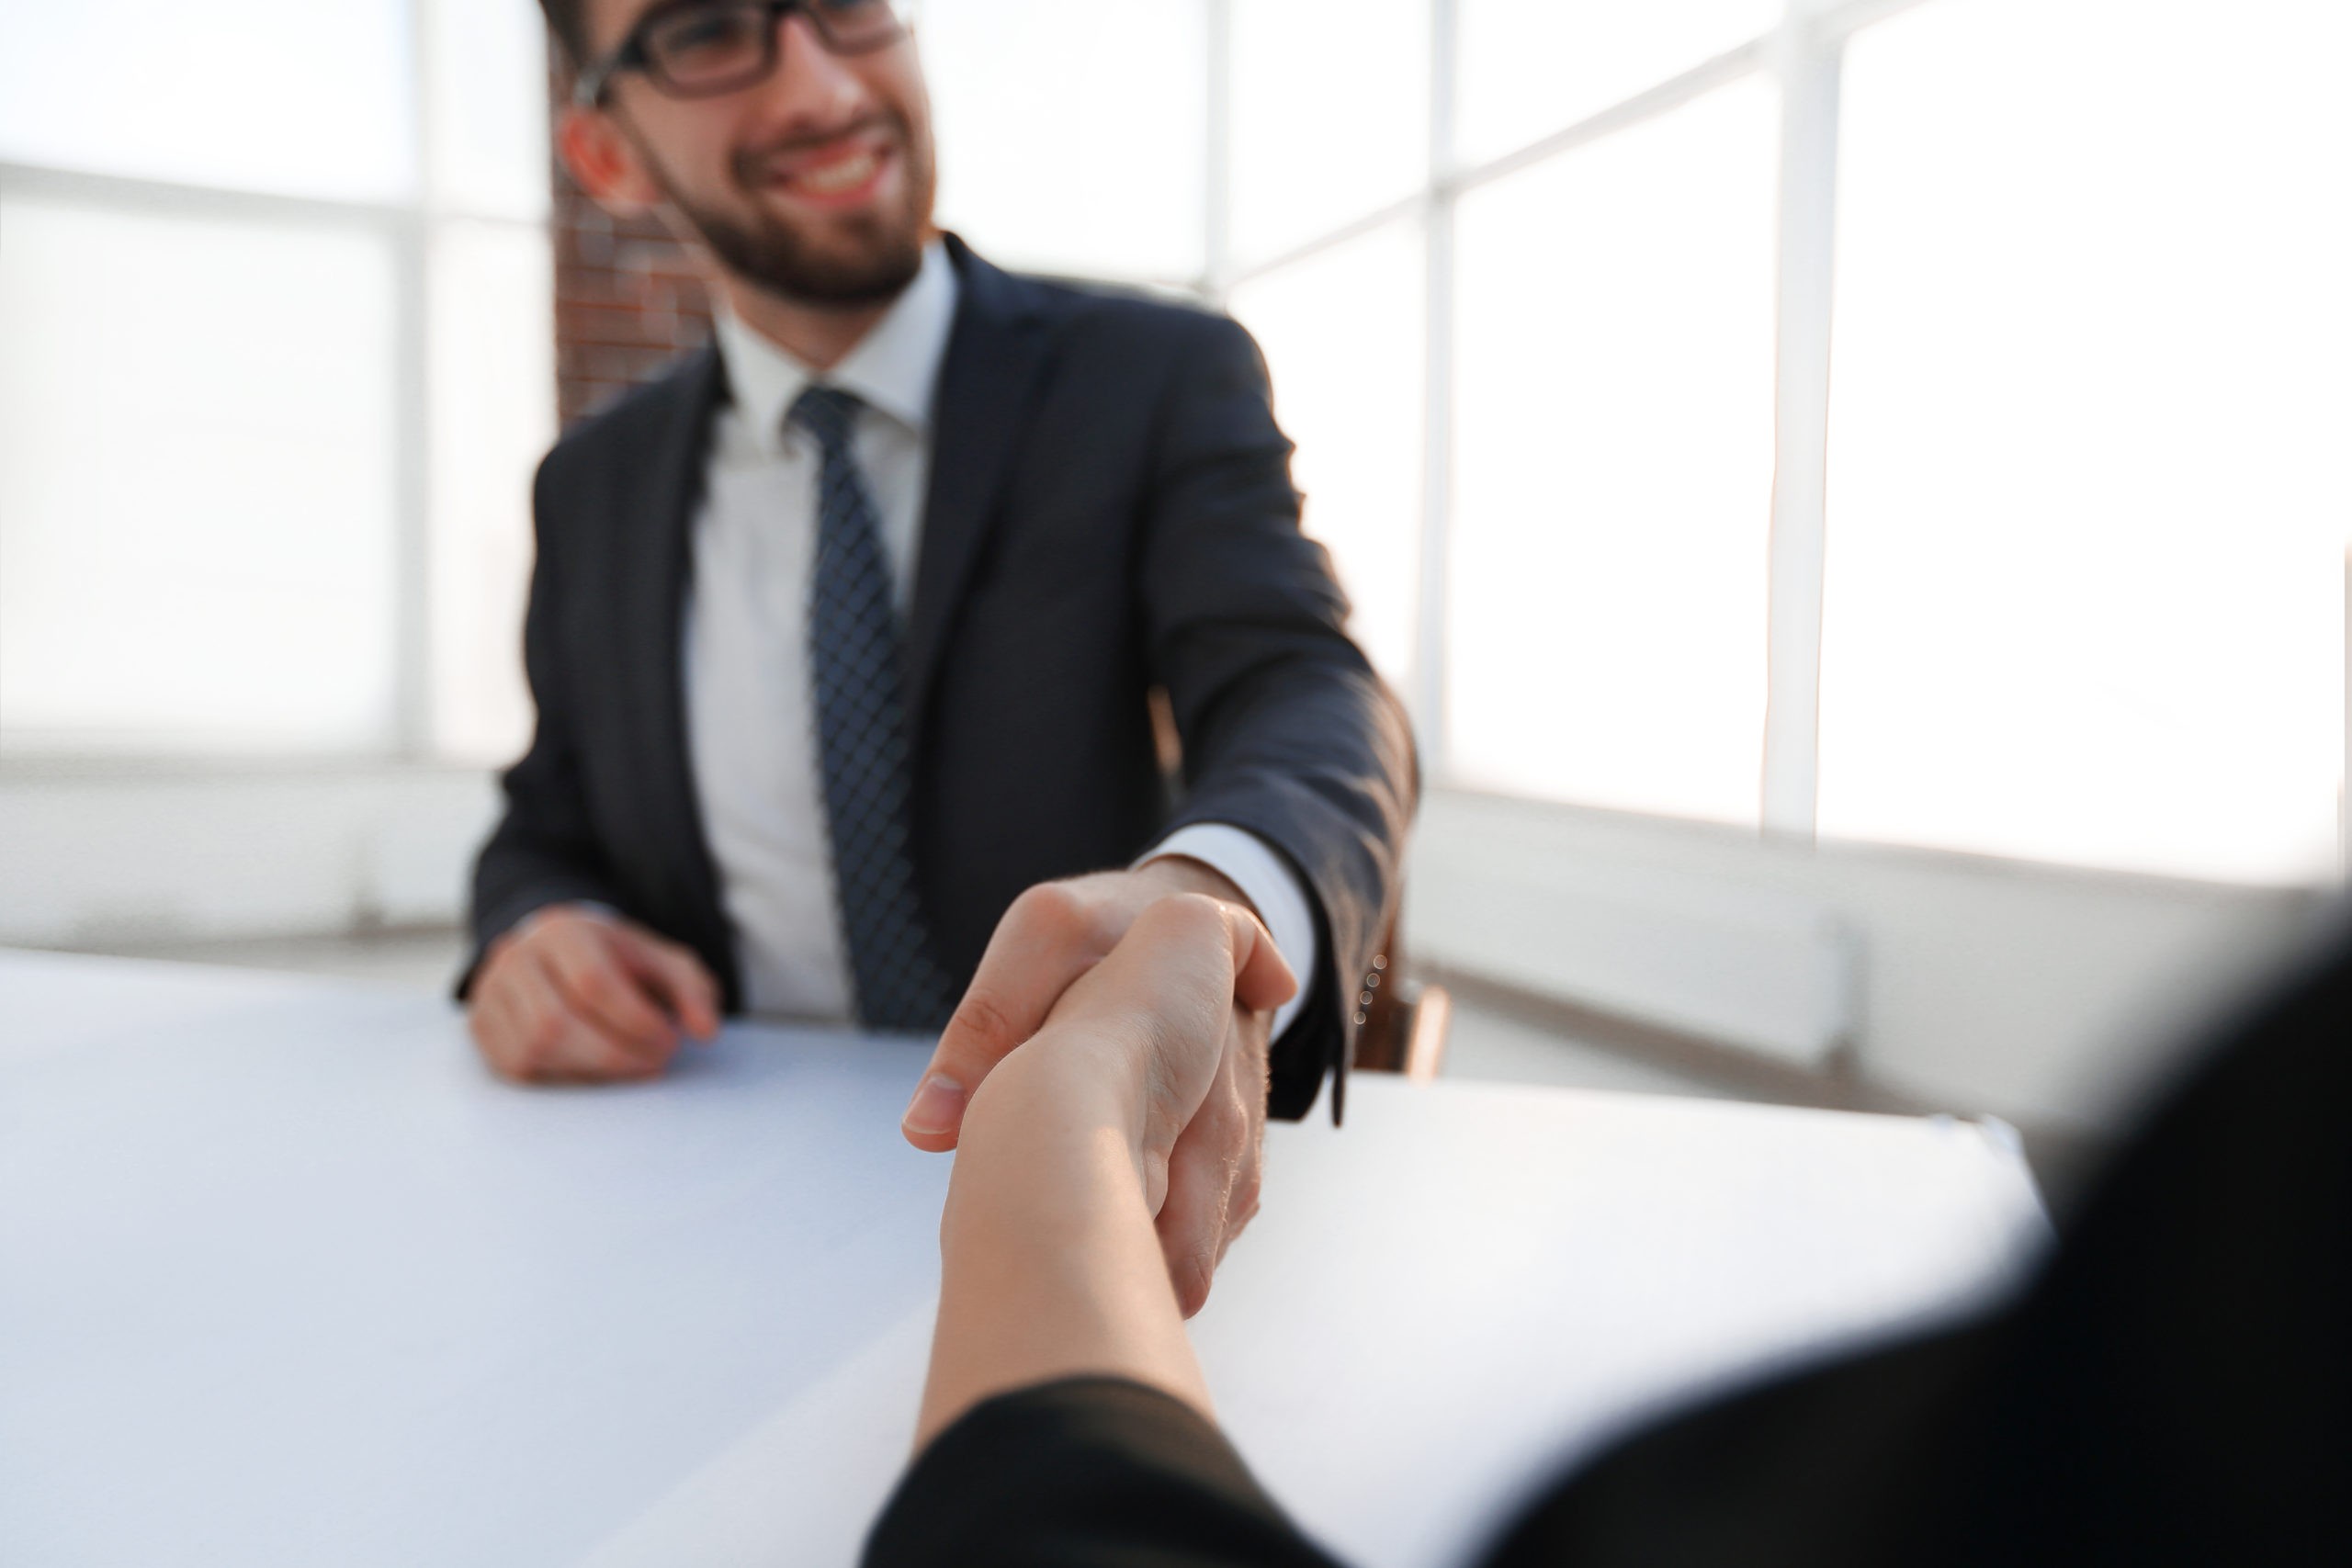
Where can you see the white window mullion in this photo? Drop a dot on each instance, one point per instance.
(1806, 65)
(1437, 467)
(413, 652)
(412, 479)
(1217, 185)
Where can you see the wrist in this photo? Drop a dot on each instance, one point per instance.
(552, 914)
(1062, 1082)
(1183, 873)
(1049, 1262)
(1051, 1152)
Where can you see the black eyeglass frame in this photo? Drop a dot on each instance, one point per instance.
(595, 83)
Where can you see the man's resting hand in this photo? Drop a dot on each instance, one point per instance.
(1052, 937)
(578, 995)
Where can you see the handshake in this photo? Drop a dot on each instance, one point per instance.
(1148, 993)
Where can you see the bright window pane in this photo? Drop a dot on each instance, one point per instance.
(1329, 115)
(197, 483)
(1072, 137)
(286, 95)
(487, 101)
(1352, 399)
(2089, 497)
(493, 416)
(1614, 465)
(1530, 67)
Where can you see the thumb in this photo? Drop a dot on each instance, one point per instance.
(1045, 942)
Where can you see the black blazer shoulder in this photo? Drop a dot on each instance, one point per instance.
(607, 453)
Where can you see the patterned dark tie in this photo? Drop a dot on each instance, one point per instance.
(861, 738)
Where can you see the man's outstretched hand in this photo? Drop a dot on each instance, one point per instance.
(576, 995)
(1055, 934)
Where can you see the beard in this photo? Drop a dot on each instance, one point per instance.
(867, 260)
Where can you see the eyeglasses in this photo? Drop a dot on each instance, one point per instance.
(700, 49)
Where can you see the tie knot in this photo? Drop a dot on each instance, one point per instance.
(827, 413)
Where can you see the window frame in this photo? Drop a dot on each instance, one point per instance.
(1803, 52)
(407, 229)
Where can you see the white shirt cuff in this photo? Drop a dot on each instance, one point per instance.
(1267, 881)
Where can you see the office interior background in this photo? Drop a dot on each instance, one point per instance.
(1856, 495)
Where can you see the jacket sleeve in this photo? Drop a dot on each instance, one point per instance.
(1086, 1472)
(1286, 731)
(544, 850)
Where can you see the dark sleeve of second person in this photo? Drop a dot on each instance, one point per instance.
(1084, 1473)
(2174, 1388)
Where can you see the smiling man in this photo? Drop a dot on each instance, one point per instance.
(844, 634)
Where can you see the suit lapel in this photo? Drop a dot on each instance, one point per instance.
(653, 522)
(995, 354)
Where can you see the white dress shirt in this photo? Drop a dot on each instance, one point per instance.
(750, 729)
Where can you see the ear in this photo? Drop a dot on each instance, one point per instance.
(605, 161)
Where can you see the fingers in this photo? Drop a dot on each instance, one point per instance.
(676, 976)
(602, 987)
(561, 1044)
(1169, 965)
(1171, 994)
(1245, 1065)
(568, 1044)
(1176, 972)
(1050, 936)
(1217, 1168)
(1212, 1190)
(1261, 979)
(562, 1002)
(1191, 1223)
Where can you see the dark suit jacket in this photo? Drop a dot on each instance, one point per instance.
(2175, 1387)
(1110, 509)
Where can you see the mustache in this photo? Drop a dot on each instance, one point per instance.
(751, 164)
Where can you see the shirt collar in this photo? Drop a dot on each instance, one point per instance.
(895, 367)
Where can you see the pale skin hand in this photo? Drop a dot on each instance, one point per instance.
(1052, 937)
(1051, 1262)
(575, 995)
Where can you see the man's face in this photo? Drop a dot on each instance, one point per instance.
(815, 184)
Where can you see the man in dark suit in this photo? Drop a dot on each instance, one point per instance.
(844, 634)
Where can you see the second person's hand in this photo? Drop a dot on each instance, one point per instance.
(1056, 934)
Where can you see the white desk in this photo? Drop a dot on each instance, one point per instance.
(285, 1277)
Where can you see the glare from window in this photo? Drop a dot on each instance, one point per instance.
(491, 360)
(1343, 336)
(1330, 115)
(1614, 467)
(1072, 137)
(288, 96)
(2088, 495)
(1530, 67)
(197, 484)
(487, 128)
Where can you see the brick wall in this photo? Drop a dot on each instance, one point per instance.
(628, 302)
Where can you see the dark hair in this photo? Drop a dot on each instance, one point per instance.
(568, 20)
